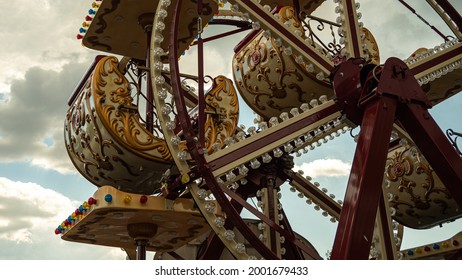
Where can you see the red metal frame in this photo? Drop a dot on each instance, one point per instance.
(196, 150)
(357, 218)
(397, 95)
(386, 230)
(352, 32)
(453, 14)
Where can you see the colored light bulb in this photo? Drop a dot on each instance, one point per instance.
(108, 198)
(92, 201)
(88, 18)
(127, 198)
(91, 12)
(57, 231)
(143, 199)
(79, 36)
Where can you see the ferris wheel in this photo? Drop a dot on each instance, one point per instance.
(176, 171)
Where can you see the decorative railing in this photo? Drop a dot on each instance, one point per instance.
(136, 73)
(316, 32)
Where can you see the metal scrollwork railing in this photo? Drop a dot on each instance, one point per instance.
(333, 47)
(453, 137)
(190, 82)
(135, 74)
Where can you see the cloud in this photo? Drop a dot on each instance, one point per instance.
(29, 213)
(37, 79)
(215, 62)
(41, 62)
(26, 207)
(398, 31)
(38, 33)
(32, 117)
(325, 168)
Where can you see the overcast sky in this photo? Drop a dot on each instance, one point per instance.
(41, 62)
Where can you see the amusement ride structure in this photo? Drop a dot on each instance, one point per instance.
(175, 170)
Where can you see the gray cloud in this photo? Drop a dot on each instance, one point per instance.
(33, 112)
(40, 63)
(398, 31)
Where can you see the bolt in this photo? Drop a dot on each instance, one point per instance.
(399, 70)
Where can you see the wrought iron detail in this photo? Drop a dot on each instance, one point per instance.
(136, 72)
(311, 24)
(453, 137)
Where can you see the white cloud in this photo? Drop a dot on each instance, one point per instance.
(27, 207)
(215, 62)
(325, 168)
(29, 213)
(38, 33)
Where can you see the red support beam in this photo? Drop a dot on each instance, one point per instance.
(387, 240)
(356, 224)
(200, 71)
